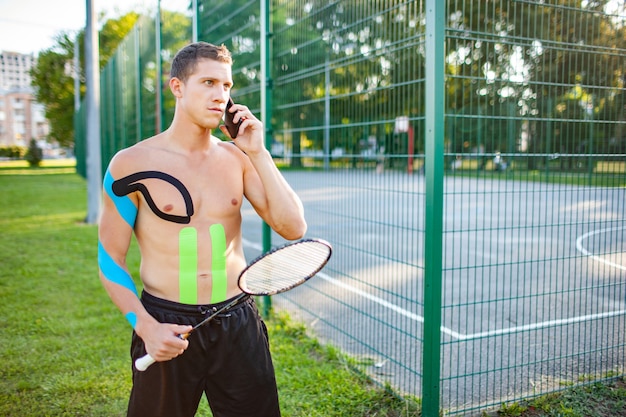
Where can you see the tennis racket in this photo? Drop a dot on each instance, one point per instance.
(276, 271)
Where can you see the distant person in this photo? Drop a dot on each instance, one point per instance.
(457, 163)
(499, 164)
(180, 192)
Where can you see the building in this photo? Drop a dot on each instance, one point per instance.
(15, 70)
(21, 118)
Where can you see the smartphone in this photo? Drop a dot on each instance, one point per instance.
(233, 128)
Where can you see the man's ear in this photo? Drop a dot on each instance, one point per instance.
(176, 87)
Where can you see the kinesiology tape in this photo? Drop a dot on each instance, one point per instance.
(118, 191)
(118, 275)
(188, 264)
(129, 184)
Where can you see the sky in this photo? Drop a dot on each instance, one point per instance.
(29, 26)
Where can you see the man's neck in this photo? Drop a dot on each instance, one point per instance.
(188, 137)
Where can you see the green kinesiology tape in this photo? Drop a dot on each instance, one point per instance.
(220, 279)
(188, 265)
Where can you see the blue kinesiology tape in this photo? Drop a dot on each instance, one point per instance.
(124, 205)
(132, 318)
(113, 272)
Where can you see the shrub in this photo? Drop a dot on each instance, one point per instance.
(13, 152)
(34, 155)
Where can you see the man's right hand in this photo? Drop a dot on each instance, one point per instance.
(163, 341)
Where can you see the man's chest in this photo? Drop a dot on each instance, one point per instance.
(179, 198)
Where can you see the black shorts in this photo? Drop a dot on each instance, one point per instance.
(228, 359)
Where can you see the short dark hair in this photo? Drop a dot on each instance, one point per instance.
(185, 61)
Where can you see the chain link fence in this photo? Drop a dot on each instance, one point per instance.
(530, 278)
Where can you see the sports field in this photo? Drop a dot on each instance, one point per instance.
(534, 281)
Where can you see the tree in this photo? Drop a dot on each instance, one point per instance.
(175, 33)
(53, 75)
(557, 64)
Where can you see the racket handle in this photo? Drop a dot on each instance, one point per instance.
(144, 362)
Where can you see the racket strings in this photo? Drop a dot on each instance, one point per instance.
(285, 268)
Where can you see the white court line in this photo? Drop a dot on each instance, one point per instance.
(462, 336)
(542, 325)
(371, 297)
(581, 248)
(450, 332)
(252, 245)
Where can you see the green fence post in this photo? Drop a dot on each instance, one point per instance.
(435, 97)
(159, 72)
(590, 145)
(138, 83)
(266, 112)
(195, 21)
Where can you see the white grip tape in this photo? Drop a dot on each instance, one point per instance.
(144, 362)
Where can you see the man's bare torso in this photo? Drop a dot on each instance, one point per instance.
(190, 239)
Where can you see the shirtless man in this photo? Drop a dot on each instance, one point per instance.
(181, 193)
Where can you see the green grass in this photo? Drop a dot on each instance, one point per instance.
(602, 178)
(549, 177)
(64, 349)
(594, 400)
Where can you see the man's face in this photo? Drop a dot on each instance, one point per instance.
(204, 95)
